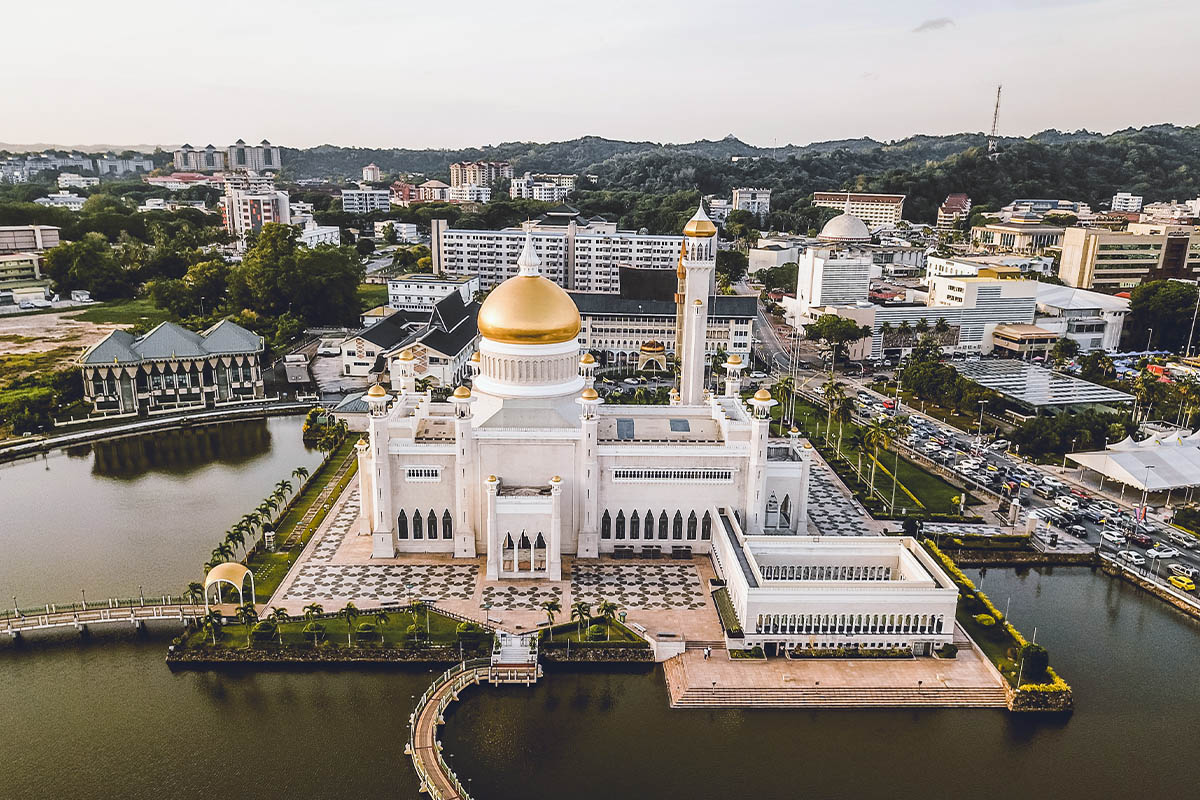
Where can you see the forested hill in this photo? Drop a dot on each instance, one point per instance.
(1160, 162)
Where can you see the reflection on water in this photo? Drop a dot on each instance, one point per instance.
(182, 451)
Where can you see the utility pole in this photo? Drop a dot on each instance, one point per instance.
(992, 144)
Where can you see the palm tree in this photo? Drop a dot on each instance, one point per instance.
(833, 392)
(349, 613)
(212, 624)
(235, 537)
(922, 326)
(941, 327)
(271, 502)
(247, 615)
(900, 429)
(607, 610)
(843, 412)
(284, 487)
(313, 610)
(194, 593)
(280, 616)
(582, 612)
(551, 607)
(877, 434)
(381, 619)
(223, 552)
(904, 329)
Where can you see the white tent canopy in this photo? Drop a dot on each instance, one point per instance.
(1157, 467)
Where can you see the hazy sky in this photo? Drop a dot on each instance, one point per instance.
(471, 72)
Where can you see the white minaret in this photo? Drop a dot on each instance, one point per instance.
(383, 532)
(465, 456)
(699, 260)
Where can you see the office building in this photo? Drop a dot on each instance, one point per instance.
(63, 199)
(873, 209)
(69, 180)
(576, 253)
(405, 231)
(718, 208)
(110, 164)
(1168, 213)
(1093, 319)
(18, 269)
(364, 201)
(970, 265)
(756, 201)
(834, 270)
(205, 159)
(312, 234)
(372, 174)
(538, 187)
(479, 173)
(1093, 258)
(1024, 232)
(1124, 201)
(28, 238)
(253, 158)
(250, 202)
(433, 191)
(421, 291)
(953, 211)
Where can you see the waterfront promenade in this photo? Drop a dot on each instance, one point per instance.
(129, 613)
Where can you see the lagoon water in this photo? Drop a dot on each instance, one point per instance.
(105, 718)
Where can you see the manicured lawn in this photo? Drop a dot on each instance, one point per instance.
(372, 294)
(569, 632)
(124, 312)
(393, 632)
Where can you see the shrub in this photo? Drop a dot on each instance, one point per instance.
(1036, 660)
(263, 631)
(949, 650)
(985, 620)
(313, 631)
(366, 630)
(468, 627)
(595, 633)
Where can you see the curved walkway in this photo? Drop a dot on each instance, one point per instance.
(432, 770)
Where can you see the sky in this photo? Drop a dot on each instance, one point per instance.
(397, 73)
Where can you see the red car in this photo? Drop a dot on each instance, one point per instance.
(1082, 495)
(1140, 539)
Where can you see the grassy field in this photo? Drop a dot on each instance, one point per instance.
(569, 632)
(372, 294)
(392, 630)
(16, 366)
(124, 312)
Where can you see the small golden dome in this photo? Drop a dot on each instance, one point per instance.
(556, 479)
(362, 440)
(589, 394)
(475, 357)
(407, 355)
(529, 309)
(588, 358)
(762, 394)
(377, 391)
(674, 391)
(794, 429)
(700, 225)
(653, 346)
(462, 393)
(697, 303)
(734, 359)
(492, 479)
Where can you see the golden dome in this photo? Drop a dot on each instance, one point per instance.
(589, 394)
(377, 391)
(762, 394)
(556, 479)
(407, 355)
(492, 479)
(652, 346)
(588, 358)
(462, 393)
(529, 309)
(794, 429)
(734, 359)
(700, 225)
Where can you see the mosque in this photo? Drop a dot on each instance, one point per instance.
(529, 464)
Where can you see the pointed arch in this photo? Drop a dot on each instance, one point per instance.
(662, 525)
(677, 526)
(785, 512)
(447, 525)
(418, 533)
(402, 526)
(606, 526)
(634, 526)
(620, 525)
(691, 526)
(432, 524)
(649, 524)
(706, 526)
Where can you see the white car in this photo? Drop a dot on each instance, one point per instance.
(931, 447)
(1182, 539)
(1183, 570)
(1112, 537)
(1133, 558)
(1162, 551)
(1067, 502)
(758, 376)
(1000, 444)
(631, 381)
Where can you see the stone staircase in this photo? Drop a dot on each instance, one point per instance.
(700, 644)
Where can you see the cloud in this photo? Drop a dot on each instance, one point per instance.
(933, 25)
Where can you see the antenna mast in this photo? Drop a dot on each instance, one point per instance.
(995, 121)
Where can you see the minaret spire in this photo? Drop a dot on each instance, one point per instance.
(528, 262)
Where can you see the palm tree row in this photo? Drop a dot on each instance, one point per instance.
(254, 523)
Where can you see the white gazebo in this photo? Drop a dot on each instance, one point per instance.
(232, 573)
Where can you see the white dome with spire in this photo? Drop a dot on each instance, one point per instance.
(845, 228)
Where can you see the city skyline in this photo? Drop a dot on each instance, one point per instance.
(786, 74)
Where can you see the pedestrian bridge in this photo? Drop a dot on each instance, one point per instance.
(514, 659)
(80, 616)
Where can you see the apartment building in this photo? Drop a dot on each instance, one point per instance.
(1094, 258)
(23, 169)
(372, 174)
(953, 210)
(479, 173)
(63, 199)
(874, 209)
(1124, 201)
(69, 180)
(433, 191)
(312, 234)
(718, 208)
(250, 202)
(364, 201)
(756, 201)
(470, 193)
(830, 276)
(540, 187)
(17, 269)
(178, 181)
(577, 254)
(28, 238)
(203, 159)
(110, 164)
(255, 158)
(405, 231)
(421, 291)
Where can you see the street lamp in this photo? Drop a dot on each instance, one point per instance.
(487, 613)
(1145, 496)
(1148, 338)
(1074, 439)
(982, 405)
(83, 594)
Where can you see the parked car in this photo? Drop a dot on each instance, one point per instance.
(1077, 530)
(1000, 444)
(1112, 536)
(1185, 570)
(758, 375)
(631, 381)
(1182, 539)
(1140, 539)
(1068, 502)
(1045, 490)
(1133, 558)
(1162, 551)
(1180, 582)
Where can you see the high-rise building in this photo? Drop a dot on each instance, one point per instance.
(1102, 259)
(953, 210)
(756, 201)
(251, 201)
(540, 187)
(110, 164)
(1124, 201)
(874, 209)
(577, 254)
(206, 159)
(256, 158)
(479, 173)
(28, 238)
(372, 174)
(364, 201)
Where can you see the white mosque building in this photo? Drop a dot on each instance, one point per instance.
(529, 465)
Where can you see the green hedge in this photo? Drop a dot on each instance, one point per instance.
(728, 617)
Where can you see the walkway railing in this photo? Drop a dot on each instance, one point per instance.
(92, 615)
(91, 605)
(442, 692)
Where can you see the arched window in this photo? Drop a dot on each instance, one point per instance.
(677, 527)
(691, 529)
(634, 526)
(785, 512)
(620, 524)
(417, 533)
(447, 525)
(662, 525)
(772, 512)
(432, 524)
(402, 526)
(649, 524)
(605, 526)
(706, 526)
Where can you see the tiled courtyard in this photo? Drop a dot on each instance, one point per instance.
(831, 511)
(648, 586)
